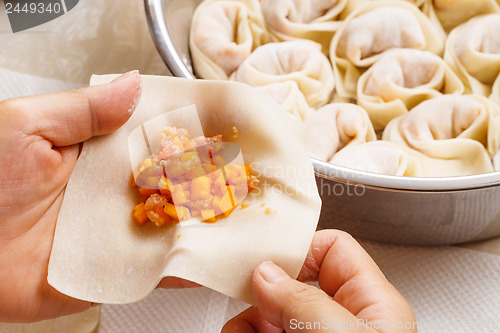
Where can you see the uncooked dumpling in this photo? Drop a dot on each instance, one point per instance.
(400, 80)
(380, 157)
(473, 52)
(298, 61)
(452, 13)
(461, 128)
(373, 29)
(288, 95)
(495, 96)
(303, 19)
(336, 126)
(223, 34)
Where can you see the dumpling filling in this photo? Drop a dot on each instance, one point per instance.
(189, 177)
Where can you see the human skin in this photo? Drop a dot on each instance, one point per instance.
(353, 290)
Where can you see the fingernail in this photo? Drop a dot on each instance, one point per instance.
(138, 91)
(137, 97)
(271, 273)
(126, 76)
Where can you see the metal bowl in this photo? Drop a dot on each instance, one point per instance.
(424, 211)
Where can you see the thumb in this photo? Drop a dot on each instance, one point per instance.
(71, 117)
(298, 307)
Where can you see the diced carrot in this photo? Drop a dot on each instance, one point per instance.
(227, 202)
(219, 161)
(140, 214)
(164, 183)
(208, 215)
(146, 192)
(171, 211)
(178, 195)
(198, 171)
(209, 168)
(228, 212)
(178, 213)
(201, 188)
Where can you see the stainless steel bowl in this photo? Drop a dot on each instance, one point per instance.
(400, 210)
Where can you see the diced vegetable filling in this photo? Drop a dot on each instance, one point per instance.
(189, 177)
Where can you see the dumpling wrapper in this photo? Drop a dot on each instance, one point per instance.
(400, 80)
(100, 255)
(473, 52)
(449, 127)
(452, 13)
(223, 34)
(298, 61)
(374, 28)
(288, 95)
(315, 20)
(335, 126)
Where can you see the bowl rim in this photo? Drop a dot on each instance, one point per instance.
(166, 48)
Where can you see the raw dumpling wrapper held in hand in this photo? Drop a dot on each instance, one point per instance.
(373, 29)
(452, 13)
(99, 253)
(400, 80)
(314, 20)
(473, 52)
(335, 126)
(223, 34)
(298, 61)
(465, 129)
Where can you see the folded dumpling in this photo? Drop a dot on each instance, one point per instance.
(461, 128)
(314, 20)
(371, 30)
(495, 95)
(335, 126)
(473, 52)
(452, 13)
(387, 158)
(288, 95)
(380, 157)
(298, 61)
(223, 34)
(400, 80)
(101, 255)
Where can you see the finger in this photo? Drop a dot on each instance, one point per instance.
(250, 321)
(71, 117)
(296, 306)
(171, 282)
(345, 271)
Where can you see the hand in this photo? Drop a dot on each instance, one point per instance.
(39, 145)
(362, 296)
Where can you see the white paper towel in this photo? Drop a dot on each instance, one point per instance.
(450, 289)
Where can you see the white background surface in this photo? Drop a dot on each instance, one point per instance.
(450, 289)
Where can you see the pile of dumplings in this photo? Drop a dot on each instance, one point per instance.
(401, 87)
